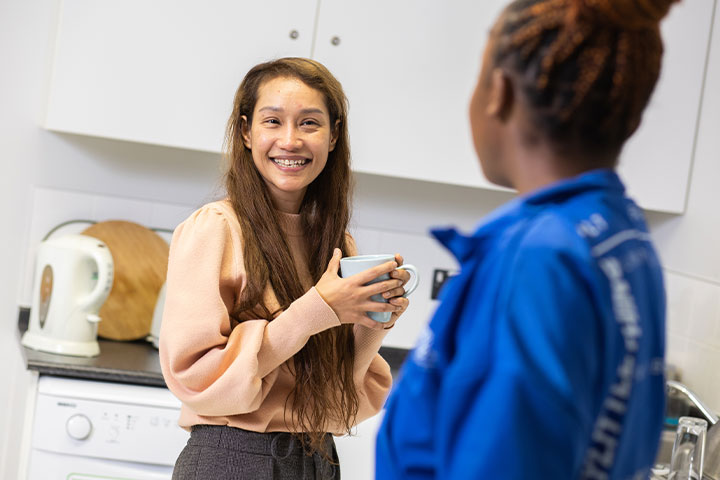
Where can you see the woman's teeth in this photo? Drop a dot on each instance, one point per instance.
(290, 163)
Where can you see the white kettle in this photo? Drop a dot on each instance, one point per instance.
(73, 278)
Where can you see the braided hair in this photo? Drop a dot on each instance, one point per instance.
(586, 67)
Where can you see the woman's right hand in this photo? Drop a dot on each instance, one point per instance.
(350, 297)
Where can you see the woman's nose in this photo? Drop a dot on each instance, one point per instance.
(290, 138)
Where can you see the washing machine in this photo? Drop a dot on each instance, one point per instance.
(89, 430)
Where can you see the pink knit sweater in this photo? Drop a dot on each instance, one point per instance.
(226, 373)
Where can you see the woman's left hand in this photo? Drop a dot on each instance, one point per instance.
(395, 296)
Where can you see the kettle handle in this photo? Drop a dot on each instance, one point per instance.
(104, 262)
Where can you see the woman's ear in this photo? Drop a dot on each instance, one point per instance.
(334, 135)
(501, 96)
(245, 131)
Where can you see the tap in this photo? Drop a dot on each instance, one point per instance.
(711, 417)
(711, 468)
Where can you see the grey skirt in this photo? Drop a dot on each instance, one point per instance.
(216, 452)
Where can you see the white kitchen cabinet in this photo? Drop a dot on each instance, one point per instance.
(657, 160)
(409, 68)
(165, 71)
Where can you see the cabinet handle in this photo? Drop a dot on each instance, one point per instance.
(335, 40)
(294, 34)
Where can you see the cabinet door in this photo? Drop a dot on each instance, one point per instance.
(656, 162)
(409, 68)
(165, 71)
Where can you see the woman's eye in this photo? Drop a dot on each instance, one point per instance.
(272, 121)
(310, 122)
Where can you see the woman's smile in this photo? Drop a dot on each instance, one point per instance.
(290, 163)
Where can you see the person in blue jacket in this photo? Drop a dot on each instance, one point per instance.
(544, 359)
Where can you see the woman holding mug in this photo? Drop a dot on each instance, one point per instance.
(269, 350)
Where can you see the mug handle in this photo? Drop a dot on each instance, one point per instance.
(414, 281)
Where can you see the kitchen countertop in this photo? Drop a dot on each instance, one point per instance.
(135, 362)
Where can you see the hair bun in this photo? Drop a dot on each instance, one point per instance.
(625, 14)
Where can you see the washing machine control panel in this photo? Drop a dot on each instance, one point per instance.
(118, 431)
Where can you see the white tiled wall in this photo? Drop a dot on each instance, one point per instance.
(693, 333)
(52, 207)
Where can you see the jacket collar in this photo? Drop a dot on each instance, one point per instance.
(463, 247)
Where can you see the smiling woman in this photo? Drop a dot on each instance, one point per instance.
(269, 350)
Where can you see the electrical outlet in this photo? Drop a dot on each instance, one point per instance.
(440, 276)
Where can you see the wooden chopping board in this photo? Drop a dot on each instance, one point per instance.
(140, 258)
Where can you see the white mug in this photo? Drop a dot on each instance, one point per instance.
(349, 266)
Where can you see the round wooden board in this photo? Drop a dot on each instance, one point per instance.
(140, 258)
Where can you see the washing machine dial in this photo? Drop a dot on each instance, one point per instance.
(78, 426)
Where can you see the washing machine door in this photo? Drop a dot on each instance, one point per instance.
(53, 466)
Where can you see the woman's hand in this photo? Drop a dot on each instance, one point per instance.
(395, 296)
(350, 297)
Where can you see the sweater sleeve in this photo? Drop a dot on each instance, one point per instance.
(372, 372)
(213, 368)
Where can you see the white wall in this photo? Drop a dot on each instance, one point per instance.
(388, 211)
(690, 249)
(31, 156)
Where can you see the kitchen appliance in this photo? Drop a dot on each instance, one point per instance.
(89, 430)
(154, 336)
(356, 452)
(73, 277)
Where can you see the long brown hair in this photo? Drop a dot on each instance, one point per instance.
(324, 390)
(587, 67)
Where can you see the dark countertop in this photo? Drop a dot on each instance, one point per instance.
(135, 362)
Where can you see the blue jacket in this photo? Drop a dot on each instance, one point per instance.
(544, 359)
